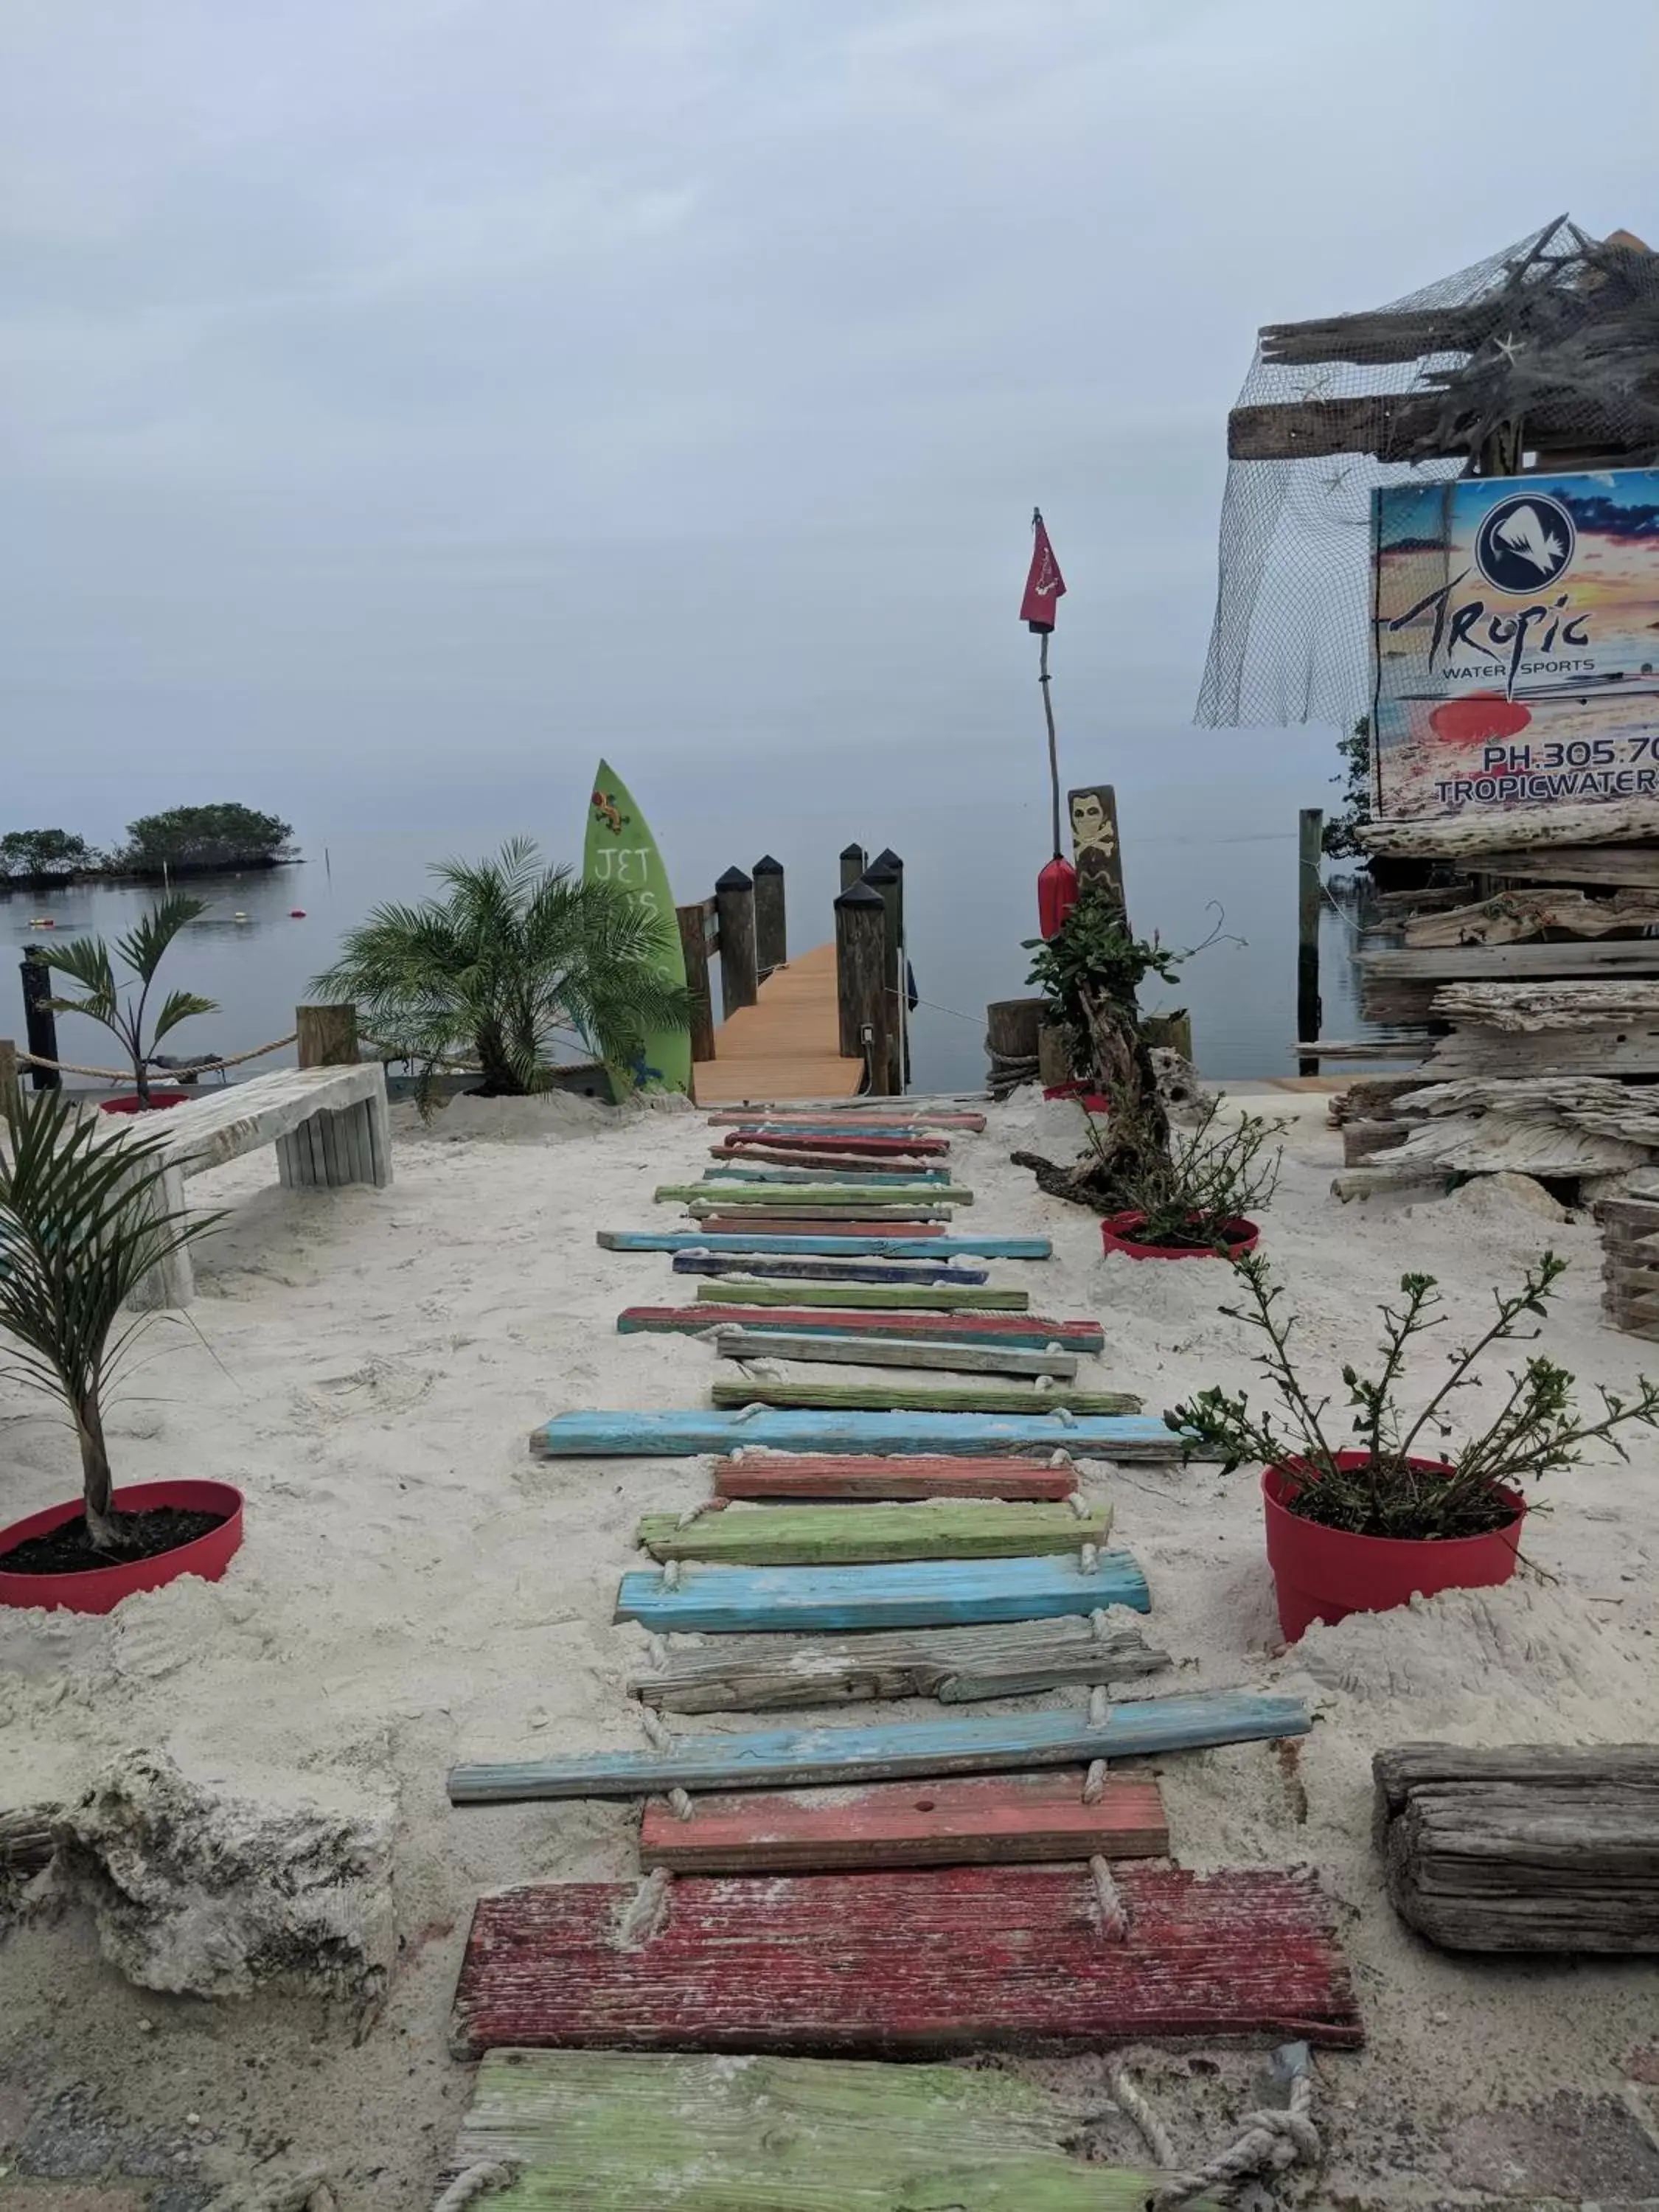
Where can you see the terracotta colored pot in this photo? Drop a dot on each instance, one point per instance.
(101, 1589)
(1326, 1574)
(129, 1101)
(1114, 1236)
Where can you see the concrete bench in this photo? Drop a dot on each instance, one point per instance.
(329, 1126)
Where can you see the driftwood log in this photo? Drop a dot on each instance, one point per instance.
(26, 1844)
(1529, 1848)
(1461, 836)
(1135, 1139)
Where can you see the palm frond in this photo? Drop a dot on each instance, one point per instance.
(143, 946)
(179, 1006)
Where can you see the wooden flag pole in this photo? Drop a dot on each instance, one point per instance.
(1054, 751)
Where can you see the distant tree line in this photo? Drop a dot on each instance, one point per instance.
(183, 840)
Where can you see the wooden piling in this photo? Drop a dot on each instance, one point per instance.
(771, 932)
(694, 942)
(9, 1092)
(852, 865)
(861, 980)
(889, 860)
(884, 880)
(1308, 1012)
(40, 1026)
(734, 904)
(327, 1036)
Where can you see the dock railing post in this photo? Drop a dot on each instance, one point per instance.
(8, 1092)
(900, 1018)
(327, 1036)
(734, 904)
(853, 859)
(884, 881)
(771, 927)
(1308, 1012)
(861, 996)
(694, 942)
(39, 1026)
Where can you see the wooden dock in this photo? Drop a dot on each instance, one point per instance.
(785, 1046)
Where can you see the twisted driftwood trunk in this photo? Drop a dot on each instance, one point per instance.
(1136, 1137)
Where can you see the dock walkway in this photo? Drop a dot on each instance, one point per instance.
(786, 1045)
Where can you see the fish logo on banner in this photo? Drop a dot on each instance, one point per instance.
(1525, 543)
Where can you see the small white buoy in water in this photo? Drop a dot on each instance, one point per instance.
(239, 917)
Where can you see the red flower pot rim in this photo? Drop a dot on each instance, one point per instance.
(100, 1590)
(1092, 1101)
(1288, 1478)
(129, 1101)
(1240, 1237)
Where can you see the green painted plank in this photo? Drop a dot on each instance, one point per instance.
(814, 1193)
(874, 1296)
(856, 1536)
(621, 849)
(882, 1397)
(621, 2131)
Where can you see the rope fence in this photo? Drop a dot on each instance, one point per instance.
(124, 1074)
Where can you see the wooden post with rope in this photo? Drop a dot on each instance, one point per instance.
(327, 1036)
(861, 981)
(39, 1026)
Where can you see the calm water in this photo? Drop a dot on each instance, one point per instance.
(969, 900)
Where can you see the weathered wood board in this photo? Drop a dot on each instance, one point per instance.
(858, 1147)
(915, 1960)
(851, 1195)
(683, 1434)
(877, 1396)
(853, 1535)
(1510, 917)
(1474, 964)
(818, 1347)
(1527, 1847)
(957, 1666)
(790, 1475)
(892, 1298)
(1011, 1331)
(746, 1176)
(876, 1221)
(617, 2131)
(914, 1594)
(999, 1820)
(780, 1210)
(904, 1275)
(827, 1246)
(876, 1118)
(788, 1156)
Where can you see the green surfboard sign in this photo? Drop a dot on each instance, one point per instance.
(620, 849)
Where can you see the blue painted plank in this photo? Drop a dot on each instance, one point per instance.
(831, 1248)
(720, 1601)
(821, 1271)
(803, 1758)
(682, 1434)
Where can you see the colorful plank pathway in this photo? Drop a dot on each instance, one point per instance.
(804, 1268)
(1032, 1331)
(912, 1961)
(686, 1433)
(803, 1475)
(850, 1535)
(828, 1246)
(944, 1296)
(880, 1396)
(909, 1594)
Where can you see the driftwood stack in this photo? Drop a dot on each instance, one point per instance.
(1529, 1848)
(1630, 1263)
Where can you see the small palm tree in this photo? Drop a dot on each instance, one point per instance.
(87, 960)
(83, 1223)
(516, 957)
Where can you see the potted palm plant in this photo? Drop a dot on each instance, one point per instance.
(1405, 1509)
(86, 960)
(517, 961)
(83, 1220)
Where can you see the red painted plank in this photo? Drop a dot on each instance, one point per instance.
(946, 1960)
(751, 1118)
(789, 1475)
(982, 1819)
(860, 1321)
(872, 1148)
(797, 1225)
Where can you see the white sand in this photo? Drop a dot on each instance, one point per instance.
(415, 1590)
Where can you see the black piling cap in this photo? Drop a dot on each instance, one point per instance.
(734, 880)
(853, 853)
(766, 866)
(860, 894)
(889, 859)
(881, 871)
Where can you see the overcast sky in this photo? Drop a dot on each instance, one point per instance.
(401, 399)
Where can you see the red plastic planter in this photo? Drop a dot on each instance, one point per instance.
(129, 1101)
(1326, 1574)
(101, 1589)
(1241, 1237)
(1092, 1101)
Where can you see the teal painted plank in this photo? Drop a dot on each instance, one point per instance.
(916, 1594)
(684, 1433)
(832, 1248)
(803, 1758)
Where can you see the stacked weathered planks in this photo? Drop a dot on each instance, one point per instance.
(1528, 1848)
(1630, 1258)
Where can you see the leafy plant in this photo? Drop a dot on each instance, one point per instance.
(85, 959)
(1338, 838)
(514, 958)
(31, 852)
(83, 1222)
(223, 836)
(1535, 1432)
(1093, 955)
(1211, 1174)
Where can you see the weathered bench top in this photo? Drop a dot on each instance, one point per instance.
(210, 1131)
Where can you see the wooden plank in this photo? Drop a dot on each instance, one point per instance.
(876, 1395)
(804, 1269)
(613, 2132)
(854, 1535)
(827, 1246)
(776, 1474)
(782, 1178)
(809, 1348)
(972, 1327)
(879, 1113)
(951, 1959)
(1509, 917)
(876, 1222)
(1461, 837)
(868, 1126)
(800, 1195)
(980, 1821)
(957, 1666)
(775, 1207)
(820, 1162)
(785, 1046)
(856, 1145)
(873, 1300)
(685, 1432)
(1615, 864)
(796, 1759)
(1474, 964)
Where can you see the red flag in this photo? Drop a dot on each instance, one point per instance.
(1045, 584)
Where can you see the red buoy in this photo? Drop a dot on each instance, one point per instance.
(1057, 895)
(297, 914)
